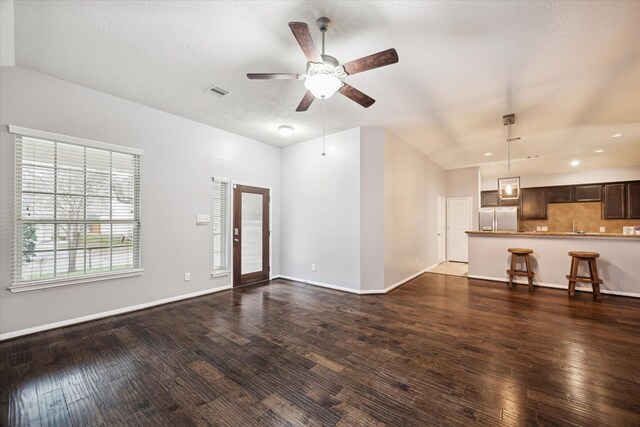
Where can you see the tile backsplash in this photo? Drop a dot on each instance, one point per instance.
(588, 217)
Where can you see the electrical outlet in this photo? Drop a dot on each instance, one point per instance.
(602, 229)
(417, 260)
(545, 228)
(313, 267)
(187, 277)
(538, 228)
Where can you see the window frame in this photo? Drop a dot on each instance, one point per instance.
(29, 285)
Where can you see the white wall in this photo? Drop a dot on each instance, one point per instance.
(7, 34)
(362, 214)
(411, 185)
(372, 209)
(321, 210)
(180, 157)
(465, 182)
(578, 177)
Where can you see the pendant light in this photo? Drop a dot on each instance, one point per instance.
(509, 188)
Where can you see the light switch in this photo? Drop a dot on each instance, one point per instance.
(202, 219)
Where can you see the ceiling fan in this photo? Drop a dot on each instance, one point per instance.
(324, 73)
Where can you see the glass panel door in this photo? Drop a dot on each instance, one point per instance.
(250, 234)
(251, 248)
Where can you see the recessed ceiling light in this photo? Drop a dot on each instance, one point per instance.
(488, 154)
(616, 135)
(575, 162)
(599, 151)
(285, 130)
(492, 165)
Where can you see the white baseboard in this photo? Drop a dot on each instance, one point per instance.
(356, 291)
(556, 286)
(405, 280)
(434, 266)
(27, 331)
(314, 283)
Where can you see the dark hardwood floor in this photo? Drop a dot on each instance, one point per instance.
(440, 350)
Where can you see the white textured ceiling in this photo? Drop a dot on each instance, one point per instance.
(569, 70)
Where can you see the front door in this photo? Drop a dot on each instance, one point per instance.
(250, 234)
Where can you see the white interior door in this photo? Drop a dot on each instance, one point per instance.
(442, 229)
(458, 221)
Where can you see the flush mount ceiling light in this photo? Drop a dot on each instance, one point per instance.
(575, 162)
(599, 151)
(488, 154)
(616, 135)
(285, 130)
(509, 188)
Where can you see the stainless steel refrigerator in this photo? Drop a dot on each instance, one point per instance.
(498, 219)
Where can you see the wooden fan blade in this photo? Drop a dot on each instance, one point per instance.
(306, 102)
(377, 60)
(357, 96)
(301, 32)
(273, 76)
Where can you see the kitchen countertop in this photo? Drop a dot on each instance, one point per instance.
(550, 234)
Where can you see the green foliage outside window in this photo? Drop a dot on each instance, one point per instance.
(29, 239)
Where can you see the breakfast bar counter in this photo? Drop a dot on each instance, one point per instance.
(618, 265)
(553, 234)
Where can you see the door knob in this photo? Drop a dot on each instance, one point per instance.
(236, 240)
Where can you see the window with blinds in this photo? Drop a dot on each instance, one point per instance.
(220, 222)
(77, 210)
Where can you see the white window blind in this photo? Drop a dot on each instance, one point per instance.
(77, 210)
(220, 222)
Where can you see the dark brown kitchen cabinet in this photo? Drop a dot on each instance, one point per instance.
(533, 203)
(633, 199)
(614, 206)
(489, 198)
(560, 194)
(588, 193)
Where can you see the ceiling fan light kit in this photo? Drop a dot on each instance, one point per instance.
(322, 85)
(509, 188)
(324, 72)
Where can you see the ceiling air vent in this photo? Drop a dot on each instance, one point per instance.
(218, 91)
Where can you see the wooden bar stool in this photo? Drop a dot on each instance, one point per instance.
(593, 278)
(515, 252)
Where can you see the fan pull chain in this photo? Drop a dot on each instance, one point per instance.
(323, 116)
